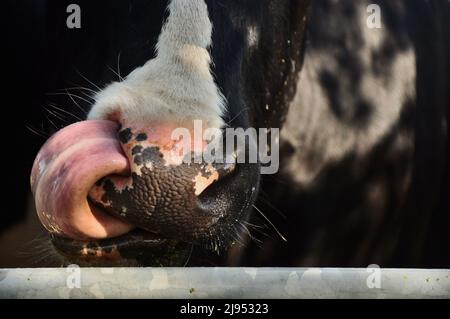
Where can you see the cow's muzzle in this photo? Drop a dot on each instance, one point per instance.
(98, 181)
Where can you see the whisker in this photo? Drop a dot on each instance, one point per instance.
(235, 236)
(80, 88)
(268, 203)
(37, 132)
(39, 250)
(112, 70)
(89, 81)
(51, 122)
(189, 257)
(88, 100)
(258, 230)
(61, 108)
(118, 65)
(72, 95)
(66, 112)
(90, 97)
(25, 250)
(57, 115)
(253, 225)
(237, 115)
(77, 105)
(262, 214)
(256, 240)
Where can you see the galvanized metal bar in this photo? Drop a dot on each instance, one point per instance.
(74, 282)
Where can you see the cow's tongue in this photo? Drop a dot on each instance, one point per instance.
(66, 168)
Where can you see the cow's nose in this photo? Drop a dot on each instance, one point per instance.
(93, 180)
(166, 190)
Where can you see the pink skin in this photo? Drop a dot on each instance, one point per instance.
(68, 166)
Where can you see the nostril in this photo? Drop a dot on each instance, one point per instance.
(210, 193)
(209, 175)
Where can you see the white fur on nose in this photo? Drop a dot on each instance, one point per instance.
(177, 85)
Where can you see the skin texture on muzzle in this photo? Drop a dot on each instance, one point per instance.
(163, 193)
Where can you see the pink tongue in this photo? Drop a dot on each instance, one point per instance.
(65, 170)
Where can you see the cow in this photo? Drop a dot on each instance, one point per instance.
(363, 148)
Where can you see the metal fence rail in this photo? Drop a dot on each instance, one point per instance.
(223, 283)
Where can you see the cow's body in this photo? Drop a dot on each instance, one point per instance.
(365, 163)
(364, 148)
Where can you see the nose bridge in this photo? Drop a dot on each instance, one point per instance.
(177, 84)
